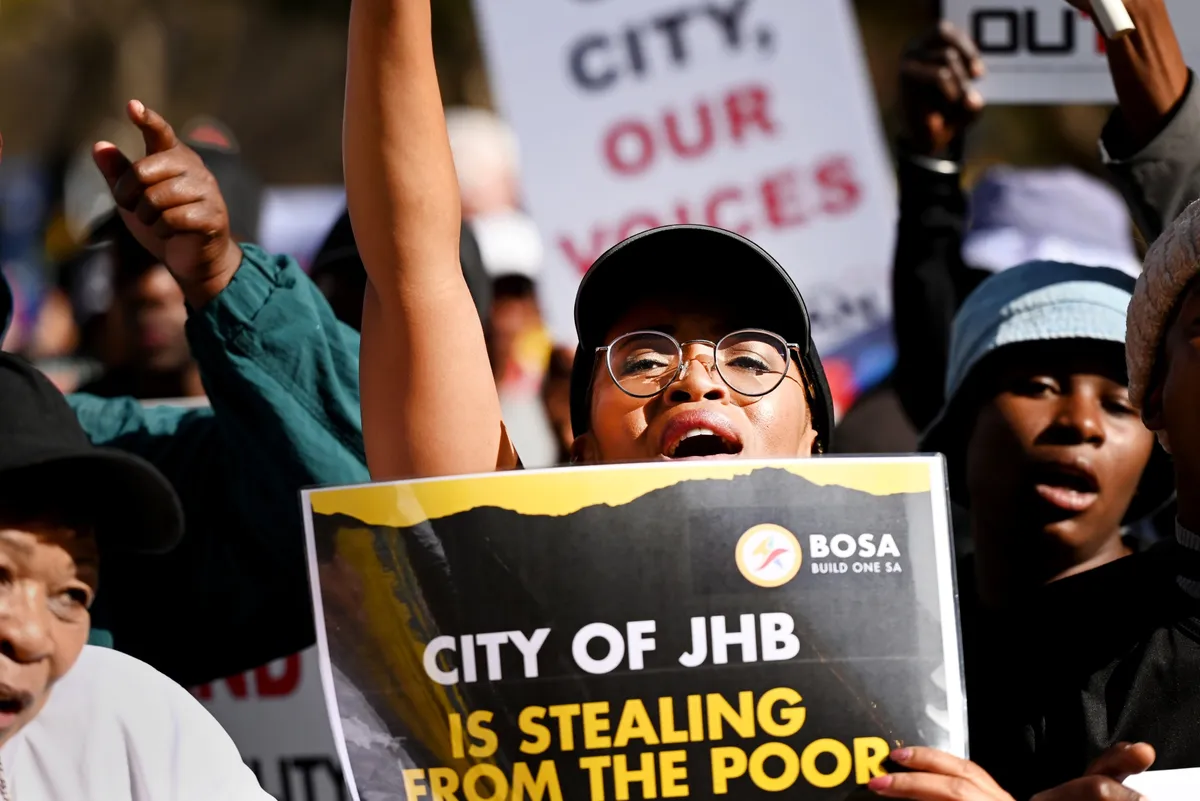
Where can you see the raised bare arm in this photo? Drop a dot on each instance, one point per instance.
(429, 401)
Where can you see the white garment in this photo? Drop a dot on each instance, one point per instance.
(115, 729)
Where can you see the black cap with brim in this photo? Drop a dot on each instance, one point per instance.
(729, 267)
(131, 505)
(48, 466)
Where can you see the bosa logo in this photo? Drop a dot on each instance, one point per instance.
(769, 555)
(843, 546)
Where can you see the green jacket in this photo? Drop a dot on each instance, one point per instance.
(281, 374)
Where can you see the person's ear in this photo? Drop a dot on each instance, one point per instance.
(584, 451)
(808, 443)
(1152, 413)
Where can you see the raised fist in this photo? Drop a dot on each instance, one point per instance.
(937, 89)
(171, 204)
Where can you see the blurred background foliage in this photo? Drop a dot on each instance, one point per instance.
(273, 71)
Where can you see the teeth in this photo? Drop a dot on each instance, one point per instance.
(695, 432)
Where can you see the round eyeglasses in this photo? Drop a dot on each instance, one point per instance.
(751, 362)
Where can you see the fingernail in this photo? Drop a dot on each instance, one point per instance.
(138, 107)
(879, 783)
(974, 98)
(902, 755)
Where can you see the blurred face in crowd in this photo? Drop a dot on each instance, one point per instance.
(1056, 448)
(556, 397)
(697, 416)
(514, 313)
(48, 576)
(149, 307)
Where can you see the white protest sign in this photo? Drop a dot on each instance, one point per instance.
(277, 717)
(1045, 51)
(751, 115)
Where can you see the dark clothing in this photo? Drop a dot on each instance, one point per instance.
(124, 382)
(929, 283)
(1106, 656)
(282, 377)
(876, 423)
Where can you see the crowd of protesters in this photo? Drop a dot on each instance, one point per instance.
(1052, 366)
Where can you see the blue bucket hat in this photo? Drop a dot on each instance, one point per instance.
(1037, 301)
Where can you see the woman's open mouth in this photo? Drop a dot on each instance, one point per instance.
(700, 435)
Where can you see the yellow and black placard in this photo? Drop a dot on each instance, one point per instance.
(713, 629)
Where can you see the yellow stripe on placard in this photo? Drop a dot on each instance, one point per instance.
(562, 492)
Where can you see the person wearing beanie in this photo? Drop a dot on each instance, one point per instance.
(947, 243)
(1164, 380)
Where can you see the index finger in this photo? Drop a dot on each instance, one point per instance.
(156, 131)
(1122, 761)
(963, 44)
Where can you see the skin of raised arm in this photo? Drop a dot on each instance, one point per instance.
(1148, 69)
(429, 401)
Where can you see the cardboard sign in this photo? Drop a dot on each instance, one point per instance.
(1045, 51)
(657, 631)
(748, 115)
(276, 716)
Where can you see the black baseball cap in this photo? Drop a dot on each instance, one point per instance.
(656, 263)
(44, 449)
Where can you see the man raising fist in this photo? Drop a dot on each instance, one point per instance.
(282, 377)
(183, 188)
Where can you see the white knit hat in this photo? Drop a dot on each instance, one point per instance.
(1171, 264)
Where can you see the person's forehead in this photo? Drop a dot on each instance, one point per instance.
(45, 538)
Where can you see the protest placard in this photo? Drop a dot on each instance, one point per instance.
(1045, 51)
(276, 715)
(643, 631)
(748, 115)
